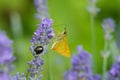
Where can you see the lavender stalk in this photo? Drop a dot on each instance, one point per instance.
(93, 10)
(41, 38)
(108, 26)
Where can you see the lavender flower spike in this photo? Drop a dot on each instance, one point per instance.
(40, 40)
(97, 77)
(82, 63)
(81, 58)
(43, 35)
(35, 69)
(6, 57)
(42, 10)
(19, 77)
(92, 9)
(4, 76)
(6, 52)
(109, 27)
(70, 75)
(114, 72)
(81, 67)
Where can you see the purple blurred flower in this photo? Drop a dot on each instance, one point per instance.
(92, 9)
(81, 67)
(70, 75)
(114, 72)
(97, 77)
(6, 57)
(42, 9)
(4, 76)
(6, 52)
(108, 25)
(19, 77)
(82, 61)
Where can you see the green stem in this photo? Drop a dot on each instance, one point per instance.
(104, 67)
(106, 45)
(66, 64)
(93, 39)
(105, 57)
(49, 68)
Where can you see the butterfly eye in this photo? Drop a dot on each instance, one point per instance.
(39, 49)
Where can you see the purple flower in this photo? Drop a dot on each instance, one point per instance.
(35, 67)
(4, 40)
(6, 52)
(81, 67)
(40, 40)
(6, 57)
(92, 9)
(82, 61)
(43, 35)
(42, 10)
(108, 25)
(4, 76)
(96, 77)
(114, 72)
(19, 77)
(70, 75)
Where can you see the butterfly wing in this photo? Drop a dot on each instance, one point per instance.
(61, 46)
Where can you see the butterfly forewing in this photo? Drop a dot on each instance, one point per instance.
(61, 46)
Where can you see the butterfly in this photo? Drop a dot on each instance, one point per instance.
(61, 44)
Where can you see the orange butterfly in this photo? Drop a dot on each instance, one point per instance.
(61, 44)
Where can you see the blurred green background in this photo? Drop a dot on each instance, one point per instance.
(17, 19)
